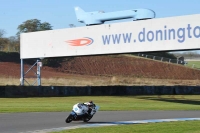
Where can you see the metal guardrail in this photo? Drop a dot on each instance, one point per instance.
(175, 61)
(163, 59)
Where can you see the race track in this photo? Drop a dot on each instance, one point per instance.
(35, 122)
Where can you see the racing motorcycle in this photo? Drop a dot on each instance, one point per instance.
(79, 113)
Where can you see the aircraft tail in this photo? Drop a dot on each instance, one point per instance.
(79, 12)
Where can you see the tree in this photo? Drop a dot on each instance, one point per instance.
(3, 41)
(33, 25)
(2, 32)
(13, 44)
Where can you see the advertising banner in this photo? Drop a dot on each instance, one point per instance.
(160, 34)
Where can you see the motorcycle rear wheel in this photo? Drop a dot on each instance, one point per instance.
(87, 119)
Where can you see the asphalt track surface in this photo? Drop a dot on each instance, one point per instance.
(29, 122)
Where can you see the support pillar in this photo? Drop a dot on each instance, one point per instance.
(22, 73)
(39, 65)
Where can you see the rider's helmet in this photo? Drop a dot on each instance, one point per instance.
(90, 103)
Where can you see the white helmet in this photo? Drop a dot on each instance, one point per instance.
(90, 103)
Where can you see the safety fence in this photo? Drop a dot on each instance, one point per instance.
(59, 91)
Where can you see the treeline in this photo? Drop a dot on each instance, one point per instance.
(188, 54)
(12, 44)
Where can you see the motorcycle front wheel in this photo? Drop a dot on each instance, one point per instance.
(69, 119)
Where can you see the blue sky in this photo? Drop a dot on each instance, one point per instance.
(60, 13)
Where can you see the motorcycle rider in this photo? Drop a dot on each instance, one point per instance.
(82, 112)
(90, 106)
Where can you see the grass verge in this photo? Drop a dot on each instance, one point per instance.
(194, 64)
(106, 103)
(165, 127)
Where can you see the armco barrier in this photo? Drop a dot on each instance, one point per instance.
(58, 91)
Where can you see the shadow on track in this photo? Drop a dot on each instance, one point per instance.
(172, 99)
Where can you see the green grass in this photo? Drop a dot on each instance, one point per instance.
(165, 127)
(112, 103)
(196, 64)
(106, 103)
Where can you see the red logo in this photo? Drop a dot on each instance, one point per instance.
(80, 42)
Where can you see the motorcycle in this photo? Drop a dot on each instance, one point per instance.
(79, 113)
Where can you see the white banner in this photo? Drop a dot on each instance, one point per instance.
(174, 33)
